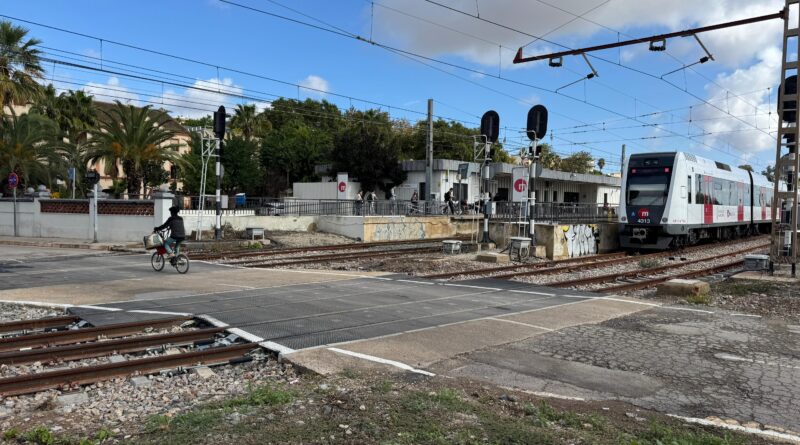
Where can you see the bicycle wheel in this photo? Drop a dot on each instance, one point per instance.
(181, 263)
(157, 261)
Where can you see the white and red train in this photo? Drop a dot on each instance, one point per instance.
(675, 199)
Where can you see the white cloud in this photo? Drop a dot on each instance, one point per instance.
(111, 91)
(315, 85)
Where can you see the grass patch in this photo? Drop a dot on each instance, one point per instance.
(661, 434)
(648, 263)
(11, 434)
(701, 299)
(264, 395)
(39, 436)
(544, 414)
(740, 288)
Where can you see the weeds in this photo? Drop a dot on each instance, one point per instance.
(648, 264)
(265, 395)
(701, 299)
(39, 436)
(659, 434)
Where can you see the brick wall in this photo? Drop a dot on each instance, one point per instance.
(106, 207)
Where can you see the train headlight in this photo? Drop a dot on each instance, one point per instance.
(623, 218)
(663, 220)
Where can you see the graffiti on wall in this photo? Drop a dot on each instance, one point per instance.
(581, 239)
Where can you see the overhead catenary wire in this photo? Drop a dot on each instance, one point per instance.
(413, 55)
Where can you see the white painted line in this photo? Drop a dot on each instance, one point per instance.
(384, 361)
(99, 308)
(544, 394)
(526, 324)
(545, 294)
(674, 308)
(143, 311)
(415, 282)
(766, 433)
(213, 321)
(279, 348)
(629, 301)
(235, 285)
(38, 304)
(746, 315)
(736, 358)
(470, 286)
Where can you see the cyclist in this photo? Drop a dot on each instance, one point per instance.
(176, 231)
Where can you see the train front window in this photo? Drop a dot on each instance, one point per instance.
(647, 190)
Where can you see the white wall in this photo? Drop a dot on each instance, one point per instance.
(323, 190)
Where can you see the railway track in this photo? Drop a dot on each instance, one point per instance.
(352, 246)
(570, 265)
(648, 277)
(146, 352)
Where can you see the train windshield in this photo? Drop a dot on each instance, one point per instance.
(647, 190)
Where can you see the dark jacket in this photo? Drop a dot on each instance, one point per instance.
(448, 196)
(175, 224)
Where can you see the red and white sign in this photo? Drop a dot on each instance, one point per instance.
(519, 184)
(341, 186)
(13, 180)
(643, 213)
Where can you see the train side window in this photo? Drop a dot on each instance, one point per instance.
(698, 190)
(689, 188)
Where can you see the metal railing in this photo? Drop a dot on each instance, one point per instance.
(556, 212)
(509, 211)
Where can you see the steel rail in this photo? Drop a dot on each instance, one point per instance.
(541, 265)
(346, 256)
(98, 349)
(648, 271)
(39, 323)
(627, 287)
(31, 383)
(86, 334)
(610, 262)
(350, 246)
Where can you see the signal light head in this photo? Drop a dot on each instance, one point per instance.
(556, 62)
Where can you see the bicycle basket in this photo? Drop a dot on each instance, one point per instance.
(152, 241)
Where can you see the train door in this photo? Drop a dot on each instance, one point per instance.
(762, 199)
(708, 200)
(740, 206)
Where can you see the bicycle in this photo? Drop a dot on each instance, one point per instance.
(180, 261)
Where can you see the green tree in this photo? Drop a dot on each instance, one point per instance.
(242, 170)
(27, 148)
(320, 115)
(548, 158)
(19, 65)
(366, 149)
(132, 137)
(601, 163)
(578, 162)
(747, 167)
(203, 122)
(769, 172)
(291, 152)
(247, 123)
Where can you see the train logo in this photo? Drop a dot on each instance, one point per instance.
(644, 213)
(520, 185)
(342, 186)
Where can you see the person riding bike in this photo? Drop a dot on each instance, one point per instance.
(177, 232)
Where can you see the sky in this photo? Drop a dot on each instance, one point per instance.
(192, 56)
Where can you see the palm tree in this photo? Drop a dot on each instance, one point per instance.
(132, 137)
(248, 122)
(600, 164)
(19, 65)
(80, 116)
(27, 147)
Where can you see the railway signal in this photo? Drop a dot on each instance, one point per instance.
(219, 132)
(536, 129)
(490, 132)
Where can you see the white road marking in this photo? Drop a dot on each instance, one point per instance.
(526, 324)
(235, 285)
(384, 361)
(213, 321)
(533, 293)
(272, 346)
(736, 358)
(143, 311)
(767, 433)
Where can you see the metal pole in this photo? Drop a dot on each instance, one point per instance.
(218, 226)
(15, 212)
(94, 215)
(74, 177)
(622, 159)
(487, 207)
(532, 195)
(429, 157)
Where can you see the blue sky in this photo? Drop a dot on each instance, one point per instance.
(620, 106)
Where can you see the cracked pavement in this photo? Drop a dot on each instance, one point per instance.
(680, 362)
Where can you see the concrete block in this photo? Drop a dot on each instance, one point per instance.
(75, 398)
(684, 288)
(204, 372)
(489, 257)
(116, 358)
(141, 381)
(541, 252)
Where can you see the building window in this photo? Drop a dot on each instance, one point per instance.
(555, 195)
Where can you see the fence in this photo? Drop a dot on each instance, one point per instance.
(556, 212)
(510, 211)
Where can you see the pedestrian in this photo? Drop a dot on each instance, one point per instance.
(448, 198)
(392, 200)
(371, 198)
(414, 202)
(359, 202)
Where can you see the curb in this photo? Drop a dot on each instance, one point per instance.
(57, 245)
